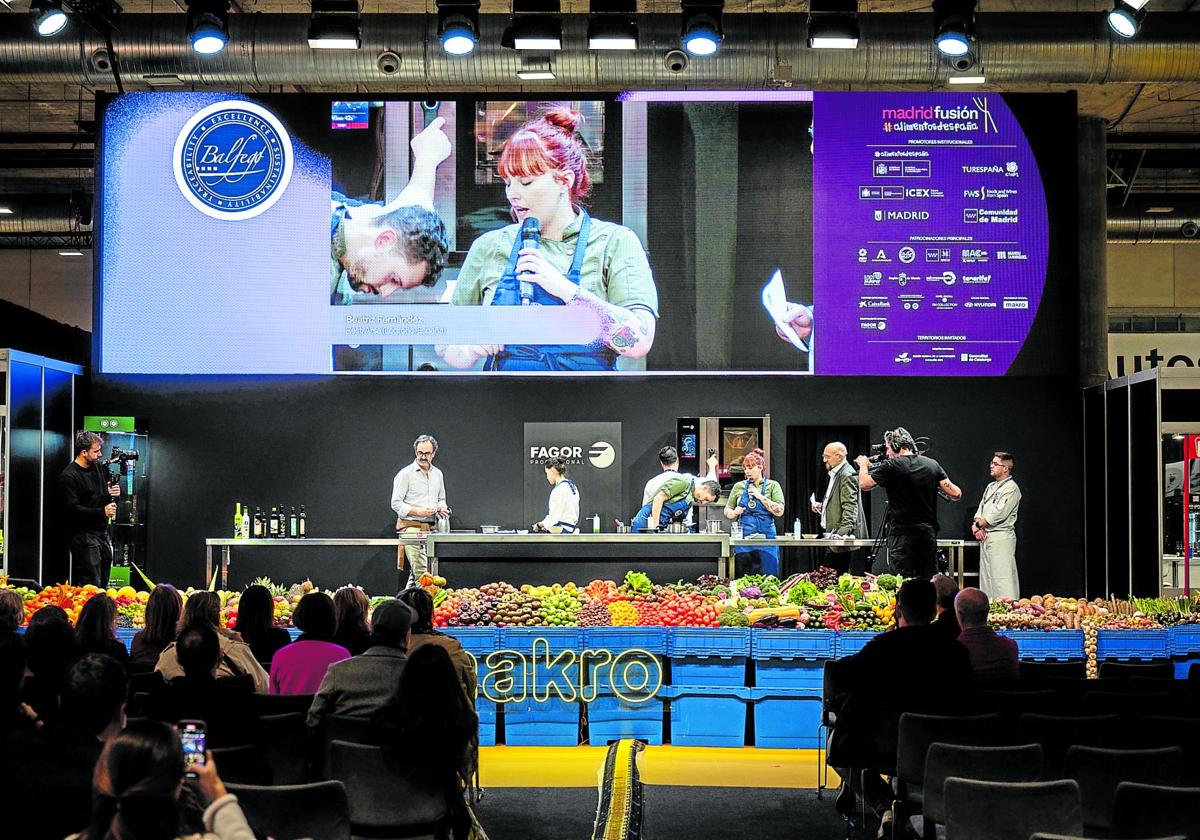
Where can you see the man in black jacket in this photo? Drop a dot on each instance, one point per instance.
(88, 500)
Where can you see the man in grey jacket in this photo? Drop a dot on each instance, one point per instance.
(841, 510)
(361, 685)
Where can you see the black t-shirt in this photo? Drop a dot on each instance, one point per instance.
(912, 483)
(84, 494)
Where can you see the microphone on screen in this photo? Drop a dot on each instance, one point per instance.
(531, 237)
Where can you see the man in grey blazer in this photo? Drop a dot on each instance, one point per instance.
(841, 510)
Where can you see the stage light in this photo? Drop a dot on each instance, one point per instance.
(833, 25)
(702, 34)
(1126, 17)
(458, 26)
(49, 18)
(5, 211)
(609, 32)
(207, 22)
(954, 27)
(335, 25)
(536, 32)
(967, 79)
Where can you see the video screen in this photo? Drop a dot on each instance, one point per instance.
(840, 233)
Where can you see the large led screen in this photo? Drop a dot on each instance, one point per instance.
(827, 233)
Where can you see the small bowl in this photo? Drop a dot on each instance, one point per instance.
(808, 536)
(489, 529)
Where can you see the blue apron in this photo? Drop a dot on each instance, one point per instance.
(567, 527)
(671, 512)
(547, 356)
(756, 519)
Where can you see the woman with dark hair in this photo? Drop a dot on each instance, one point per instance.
(300, 667)
(562, 512)
(256, 624)
(50, 646)
(96, 629)
(236, 657)
(137, 787)
(162, 626)
(353, 628)
(755, 502)
(423, 633)
(431, 718)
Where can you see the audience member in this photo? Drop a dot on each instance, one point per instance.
(993, 657)
(361, 685)
(256, 624)
(300, 667)
(914, 668)
(53, 765)
(162, 625)
(431, 718)
(236, 658)
(12, 616)
(96, 629)
(50, 647)
(139, 785)
(423, 633)
(353, 630)
(946, 620)
(198, 695)
(12, 661)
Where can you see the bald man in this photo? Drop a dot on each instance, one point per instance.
(841, 510)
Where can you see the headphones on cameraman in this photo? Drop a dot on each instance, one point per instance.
(899, 438)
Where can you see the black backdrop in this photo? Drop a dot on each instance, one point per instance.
(335, 443)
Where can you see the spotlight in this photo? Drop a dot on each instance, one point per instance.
(458, 26)
(49, 18)
(833, 24)
(967, 79)
(207, 25)
(335, 25)
(954, 27)
(536, 71)
(1126, 17)
(702, 33)
(536, 32)
(612, 25)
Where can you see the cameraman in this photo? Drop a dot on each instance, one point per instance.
(912, 482)
(87, 498)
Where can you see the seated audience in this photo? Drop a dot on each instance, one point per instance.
(946, 620)
(432, 719)
(353, 630)
(423, 633)
(256, 624)
(993, 657)
(236, 658)
(140, 791)
(198, 695)
(361, 685)
(12, 616)
(162, 624)
(300, 667)
(12, 661)
(96, 629)
(52, 766)
(50, 647)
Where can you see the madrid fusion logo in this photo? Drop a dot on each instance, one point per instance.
(941, 117)
(233, 160)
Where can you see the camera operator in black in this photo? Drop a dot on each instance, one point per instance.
(87, 498)
(912, 482)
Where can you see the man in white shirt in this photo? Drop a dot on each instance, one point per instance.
(995, 527)
(419, 497)
(668, 458)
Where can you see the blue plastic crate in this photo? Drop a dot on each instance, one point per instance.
(486, 710)
(125, 636)
(558, 639)
(548, 723)
(478, 641)
(1044, 645)
(708, 717)
(786, 718)
(1133, 644)
(611, 718)
(849, 642)
(1183, 668)
(649, 639)
(709, 657)
(1185, 639)
(790, 658)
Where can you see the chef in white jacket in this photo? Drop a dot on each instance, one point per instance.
(562, 513)
(995, 528)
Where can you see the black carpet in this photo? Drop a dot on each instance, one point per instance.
(671, 813)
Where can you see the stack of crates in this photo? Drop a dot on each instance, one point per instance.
(1185, 648)
(789, 668)
(537, 716)
(480, 642)
(1047, 645)
(708, 690)
(1133, 645)
(638, 711)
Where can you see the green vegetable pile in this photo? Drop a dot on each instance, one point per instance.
(638, 582)
(732, 617)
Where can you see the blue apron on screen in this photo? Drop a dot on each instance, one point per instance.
(547, 356)
(671, 511)
(567, 527)
(756, 519)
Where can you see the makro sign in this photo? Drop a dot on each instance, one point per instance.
(1134, 352)
(633, 675)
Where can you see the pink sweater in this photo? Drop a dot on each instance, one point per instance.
(299, 667)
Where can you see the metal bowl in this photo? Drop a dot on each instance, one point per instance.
(489, 529)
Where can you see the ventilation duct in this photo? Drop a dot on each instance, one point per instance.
(35, 213)
(895, 49)
(1154, 229)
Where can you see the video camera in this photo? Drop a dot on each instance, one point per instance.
(122, 456)
(898, 438)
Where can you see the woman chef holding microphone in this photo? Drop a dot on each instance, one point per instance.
(756, 502)
(562, 513)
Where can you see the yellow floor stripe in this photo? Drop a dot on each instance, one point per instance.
(665, 765)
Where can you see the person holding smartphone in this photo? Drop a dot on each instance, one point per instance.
(88, 501)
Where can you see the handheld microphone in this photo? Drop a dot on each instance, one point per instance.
(531, 237)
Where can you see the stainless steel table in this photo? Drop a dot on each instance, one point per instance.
(226, 545)
(956, 549)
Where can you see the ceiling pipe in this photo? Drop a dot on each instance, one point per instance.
(44, 213)
(759, 51)
(1165, 229)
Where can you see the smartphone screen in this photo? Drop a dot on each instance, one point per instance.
(191, 735)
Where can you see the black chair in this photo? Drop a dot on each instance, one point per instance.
(136, 704)
(1012, 704)
(1194, 671)
(1125, 670)
(318, 810)
(1129, 706)
(1098, 772)
(1165, 731)
(1141, 810)
(984, 764)
(241, 765)
(390, 794)
(280, 704)
(1006, 810)
(1057, 733)
(1041, 670)
(281, 743)
(831, 700)
(144, 682)
(338, 728)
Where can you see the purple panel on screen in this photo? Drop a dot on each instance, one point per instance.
(930, 236)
